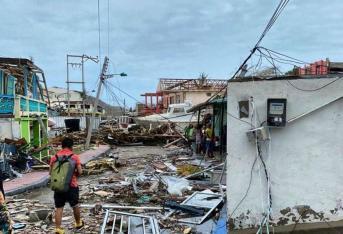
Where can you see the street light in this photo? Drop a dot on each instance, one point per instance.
(112, 75)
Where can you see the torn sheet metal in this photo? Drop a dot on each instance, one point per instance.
(203, 200)
(122, 222)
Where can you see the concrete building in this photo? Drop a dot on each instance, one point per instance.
(59, 101)
(171, 91)
(291, 174)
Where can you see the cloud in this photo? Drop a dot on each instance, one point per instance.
(150, 39)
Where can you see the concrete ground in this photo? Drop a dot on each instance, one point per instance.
(36, 179)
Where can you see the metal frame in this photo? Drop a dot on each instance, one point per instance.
(188, 202)
(148, 227)
(170, 84)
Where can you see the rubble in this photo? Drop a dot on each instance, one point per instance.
(99, 166)
(16, 158)
(135, 136)
(138, 181)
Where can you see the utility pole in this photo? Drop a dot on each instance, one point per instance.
(124, 107)
(84, 58)
(95, 106)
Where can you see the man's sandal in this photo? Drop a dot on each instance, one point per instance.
(79, 225)
(59, 231)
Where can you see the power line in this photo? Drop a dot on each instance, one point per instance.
(99, 32)
(284, 55)
(282, 4)
(108, 28)
(276, 14)
(293, 85)
(112, 95)
(117, 80)
(313, 90)
(247, 191)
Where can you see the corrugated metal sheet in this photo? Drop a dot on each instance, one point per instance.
(59, 120)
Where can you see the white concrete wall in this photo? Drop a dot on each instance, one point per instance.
(305, 163)
(9, 129)
(59, 120)
(60, 95)
(198, 97)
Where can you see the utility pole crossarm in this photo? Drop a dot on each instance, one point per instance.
(83, 58)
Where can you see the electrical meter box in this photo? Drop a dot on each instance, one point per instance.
(276, 113)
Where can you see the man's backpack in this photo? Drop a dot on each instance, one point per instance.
(62, 172)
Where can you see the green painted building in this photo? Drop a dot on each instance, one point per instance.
(23, 102)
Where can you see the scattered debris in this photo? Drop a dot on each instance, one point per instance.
(122, 222)
(99, 166)
(185, 170)
(205, 200)
(176, 186)
(138, 180)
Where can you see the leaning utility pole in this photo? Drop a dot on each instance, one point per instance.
(84, 58)
(95, 106)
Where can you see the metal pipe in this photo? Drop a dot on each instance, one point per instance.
(103, 227)
(152, 223)
(200, 172)
(221, 177)
(129, 214)
(121, 224)
(114, 223)
(107, 206)
(83, 87)
(68, 92)
(143, 221)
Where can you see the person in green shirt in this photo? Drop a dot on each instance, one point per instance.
(190, 136)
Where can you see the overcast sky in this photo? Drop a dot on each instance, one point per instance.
(150, 39)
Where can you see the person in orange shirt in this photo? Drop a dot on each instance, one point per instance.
(72, 195)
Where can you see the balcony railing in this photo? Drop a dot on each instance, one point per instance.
(17, 106)
(6, 104)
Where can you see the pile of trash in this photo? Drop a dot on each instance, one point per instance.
(171, 191)
(135, 135)
(15, 159)
(137, 189)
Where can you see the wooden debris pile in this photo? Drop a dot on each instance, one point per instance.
(137, 134)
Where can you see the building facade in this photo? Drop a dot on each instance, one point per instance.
(173, 91)
(285, 175)
(23, 112)
(59, 101)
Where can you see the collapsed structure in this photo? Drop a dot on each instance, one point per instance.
(173, 91)
(24, 101)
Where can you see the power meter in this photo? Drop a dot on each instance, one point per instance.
(276, 113)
